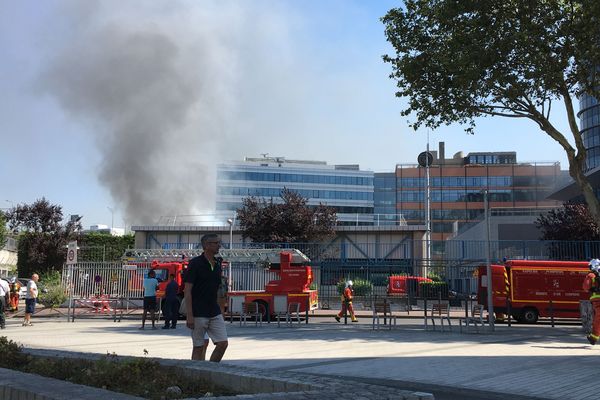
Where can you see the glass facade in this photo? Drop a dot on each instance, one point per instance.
(347, 189)
(457, 189)
(589, 122)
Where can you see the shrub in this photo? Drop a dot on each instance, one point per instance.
(362, 287)
(52, 293)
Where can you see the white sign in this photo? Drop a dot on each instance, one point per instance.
(72, 253)
(129, 267)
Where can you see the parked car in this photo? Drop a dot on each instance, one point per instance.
(23, 290)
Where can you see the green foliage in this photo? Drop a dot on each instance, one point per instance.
(362, 287)
(571, 222)
(96, 246)
(456, 61)
(43, 238)
(10, 353)
(291, 221)
(433, 290)
(135, 376)
(3, 230)
(52, 294)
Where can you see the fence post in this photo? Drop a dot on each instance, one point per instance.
(425, 310)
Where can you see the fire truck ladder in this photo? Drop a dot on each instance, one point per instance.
(259, 256)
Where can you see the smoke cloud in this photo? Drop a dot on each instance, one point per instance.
(160, 86)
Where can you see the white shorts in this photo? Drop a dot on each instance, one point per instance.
(213, 327)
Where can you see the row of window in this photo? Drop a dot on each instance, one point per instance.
(473, 197)
(478, 181)
(307, 193)
(233, 206)
(492, 159)
(443, 215)
(589, 118)
(299, 178)
(591, 137)
(586, 101)
(593, 157)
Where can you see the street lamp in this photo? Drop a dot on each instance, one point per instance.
(488, 264)
(229, 280)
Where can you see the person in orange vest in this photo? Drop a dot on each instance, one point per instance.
(592, 285)
(15, 286)
(347, 303)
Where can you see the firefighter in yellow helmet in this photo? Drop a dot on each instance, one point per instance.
(347, 303)
(592, 285)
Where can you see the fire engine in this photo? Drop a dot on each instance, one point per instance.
(535, 288)
(291, 266)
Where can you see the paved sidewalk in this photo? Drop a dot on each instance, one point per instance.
(518, 363)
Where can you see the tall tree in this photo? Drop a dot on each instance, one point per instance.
(458, 60)
(3, 230)
(572, 222)
(291, 221)
(43, 237)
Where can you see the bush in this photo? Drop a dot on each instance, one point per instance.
(433, 290)
(137, 376)
(362, 287)
(52, 293)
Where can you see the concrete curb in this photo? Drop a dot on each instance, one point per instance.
(256, 383)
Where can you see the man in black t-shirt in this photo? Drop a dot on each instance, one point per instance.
(202, 282)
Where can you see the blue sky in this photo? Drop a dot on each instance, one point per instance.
(129, 105)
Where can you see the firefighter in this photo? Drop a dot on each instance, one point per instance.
(347, 303)
(592, 285)
(15, 287)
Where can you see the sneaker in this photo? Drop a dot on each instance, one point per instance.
(173, 327)
(591, 339)
(141, 328)
(355, 320)
(337, 318)
(165, 327)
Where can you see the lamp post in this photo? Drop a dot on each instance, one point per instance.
(488, 266)
(230, 222)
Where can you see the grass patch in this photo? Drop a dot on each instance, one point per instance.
(140, 377)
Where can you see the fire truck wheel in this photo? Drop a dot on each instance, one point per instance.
(263, 308)
(529, 315)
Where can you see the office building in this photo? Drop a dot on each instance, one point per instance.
(344, 187)
(458, 186)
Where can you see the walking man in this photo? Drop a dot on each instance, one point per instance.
(202, 282)
(31, 299)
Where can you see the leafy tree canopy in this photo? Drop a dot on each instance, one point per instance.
(291, 221)
(458, 60)
(43, 238)
(572, 222)
(3, 230)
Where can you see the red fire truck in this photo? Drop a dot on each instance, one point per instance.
(535, 288)
(291, 267)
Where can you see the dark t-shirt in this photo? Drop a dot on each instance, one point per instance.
(205, 280)
(171, 290)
